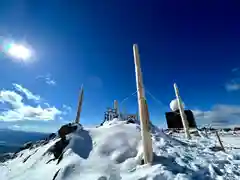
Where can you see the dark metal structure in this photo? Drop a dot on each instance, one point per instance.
(174, 120)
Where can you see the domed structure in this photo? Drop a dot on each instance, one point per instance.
(174, 105)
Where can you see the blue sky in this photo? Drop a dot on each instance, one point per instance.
(195, 44)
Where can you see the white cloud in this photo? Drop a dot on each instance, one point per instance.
(47, 79)
(26, 92)
(21, 111)
(12, 98)
(67, 108)
(232, 86)
(220, 115)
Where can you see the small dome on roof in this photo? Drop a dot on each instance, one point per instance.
(174, 105)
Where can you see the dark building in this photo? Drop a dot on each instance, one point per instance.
(174, 119)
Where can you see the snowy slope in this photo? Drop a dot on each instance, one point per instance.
(113, 151)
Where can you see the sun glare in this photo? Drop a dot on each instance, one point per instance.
(19, 51)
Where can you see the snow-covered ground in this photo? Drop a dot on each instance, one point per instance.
(113, 152)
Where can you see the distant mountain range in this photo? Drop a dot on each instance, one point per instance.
(11, 140)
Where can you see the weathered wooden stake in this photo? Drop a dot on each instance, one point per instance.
(143, 113)
(77, 120)
(181, 110)
(115, 106)
(220, 142)
(206, 132)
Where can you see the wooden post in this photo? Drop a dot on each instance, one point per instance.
(148, 134)
(181, 110)
(220, 142)
(115, 106)
(77, 120)
(137, 116)
(206, 132)
(143, 114)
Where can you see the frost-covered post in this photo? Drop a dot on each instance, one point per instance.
(79, 106)
(182, 114)
(143, 112)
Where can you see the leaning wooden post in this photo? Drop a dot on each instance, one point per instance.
(77, 120)
(220, 142)
(181, 110)
(143, 114)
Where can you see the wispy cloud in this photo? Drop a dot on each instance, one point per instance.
(233, 86)
(235, 69)
(26, 92)
(19, 111)
(66, 109)
(234, 83)
(47, 79)
(220, 116)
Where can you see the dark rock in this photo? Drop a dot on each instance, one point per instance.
(195, 133)
(237, 129)
(52, 136)
(66, 129)
(202, 129)
(26, 146)
(131, 121)
(216, 148)
(175, 130)
(6, 156)
(212, 129)
(58, 147)
(41, 142)
(26, 158)
(60, 158)
(55, 175)
(227, 129)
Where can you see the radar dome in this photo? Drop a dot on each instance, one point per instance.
(174, 105)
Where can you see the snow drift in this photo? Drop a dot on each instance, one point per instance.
(113, 151)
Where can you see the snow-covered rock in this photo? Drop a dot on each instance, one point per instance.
(113, 151)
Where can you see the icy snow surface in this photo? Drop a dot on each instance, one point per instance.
(113, 152)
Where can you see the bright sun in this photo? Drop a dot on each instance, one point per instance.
(19, 51)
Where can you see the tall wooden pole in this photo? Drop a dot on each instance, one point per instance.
(77, 120)
(181, 110)
(142, 106)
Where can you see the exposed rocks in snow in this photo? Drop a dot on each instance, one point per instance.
(51, 136)
(131, 121)
(114, 151)
(26, 146)
(55, 175)
(66, 129)
(58, 147)
(216, 148)
(6, 156)
(236, 129)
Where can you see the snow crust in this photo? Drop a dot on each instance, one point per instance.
(113, 152)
